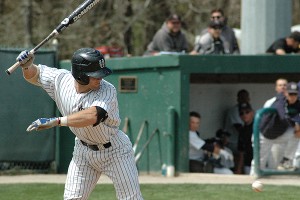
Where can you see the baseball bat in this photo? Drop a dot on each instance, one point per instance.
(76, 14)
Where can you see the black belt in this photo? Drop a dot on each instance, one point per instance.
(95, 147)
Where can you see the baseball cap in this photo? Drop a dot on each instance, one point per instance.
(215, 24)
(174, 17)
(221, 133)
(292, 88)
(245, 106)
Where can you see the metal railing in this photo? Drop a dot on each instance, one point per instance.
(170, 134)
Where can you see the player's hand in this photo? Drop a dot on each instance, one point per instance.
(43, 123)
(25, 58)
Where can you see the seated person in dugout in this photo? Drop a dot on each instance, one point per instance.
(200, 151)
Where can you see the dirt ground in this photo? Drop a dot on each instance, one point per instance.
(195, 178)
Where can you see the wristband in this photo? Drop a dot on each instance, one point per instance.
(63, 121)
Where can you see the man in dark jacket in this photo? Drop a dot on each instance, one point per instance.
(286, 45)
(282, 128)
(169, 38)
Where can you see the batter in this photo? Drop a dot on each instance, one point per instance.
(89, 107)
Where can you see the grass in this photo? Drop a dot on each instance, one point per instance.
(155, 192)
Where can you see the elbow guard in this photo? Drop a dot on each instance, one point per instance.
(101, 115)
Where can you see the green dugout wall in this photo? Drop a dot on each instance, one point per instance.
(22, 103)
(148, 86)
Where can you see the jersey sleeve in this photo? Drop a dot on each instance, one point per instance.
(195, 141)
(47, 79)
(105, 98)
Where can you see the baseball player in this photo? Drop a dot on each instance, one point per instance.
(89, 107)
(281, 128)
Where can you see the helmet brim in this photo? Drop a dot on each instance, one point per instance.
(100, 73)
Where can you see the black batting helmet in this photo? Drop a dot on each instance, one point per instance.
(88, 62)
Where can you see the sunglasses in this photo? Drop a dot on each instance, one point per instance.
(175, 22)
(216, 17)
(244, 113)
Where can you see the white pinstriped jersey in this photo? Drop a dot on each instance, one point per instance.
(59, 84)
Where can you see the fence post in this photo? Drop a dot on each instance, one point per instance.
(170, 142)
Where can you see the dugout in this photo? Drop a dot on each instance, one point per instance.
(157, 93)
(155, 96)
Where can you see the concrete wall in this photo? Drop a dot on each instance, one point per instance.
(213, 100)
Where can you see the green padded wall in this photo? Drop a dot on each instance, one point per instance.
(22, 103)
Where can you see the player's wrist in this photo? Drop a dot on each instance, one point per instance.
(63, 121)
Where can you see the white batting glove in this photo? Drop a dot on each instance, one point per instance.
(25, 58)
(43, 123)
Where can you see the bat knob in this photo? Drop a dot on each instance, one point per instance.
(8, 73)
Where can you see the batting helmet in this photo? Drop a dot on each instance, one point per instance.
(88, 62)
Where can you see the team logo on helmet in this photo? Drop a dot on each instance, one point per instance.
(102, 63)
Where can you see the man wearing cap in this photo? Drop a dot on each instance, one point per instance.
(244, 139)
(227, 33)
(169, 38)
(286, 45)
(211, 42)
(281, 128)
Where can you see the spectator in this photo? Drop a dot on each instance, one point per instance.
(277, 149)
(210, 42)
(245, 139)
(233, 122)
(281, 128)
(227, 34)
(286, 45)
(196, 152)
(169, 38)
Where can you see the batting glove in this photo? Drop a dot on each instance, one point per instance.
(25, 58)
(43, 123)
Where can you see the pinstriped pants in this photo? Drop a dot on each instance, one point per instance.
(117, 162)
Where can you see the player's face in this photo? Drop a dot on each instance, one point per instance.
(281, 86)
(94, 83)
(217, 16)
(215, 32)
(246, 116)
(174, 25)
(194, 123)
(292, 97)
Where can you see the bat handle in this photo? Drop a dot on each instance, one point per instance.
(12, 68)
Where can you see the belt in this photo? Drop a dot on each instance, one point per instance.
(95, 147)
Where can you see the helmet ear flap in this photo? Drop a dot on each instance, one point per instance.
(83, 79)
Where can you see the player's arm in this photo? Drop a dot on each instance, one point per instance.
(30, 70)
(91, 116)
